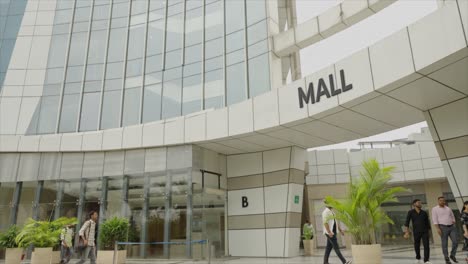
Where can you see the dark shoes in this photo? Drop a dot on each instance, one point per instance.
(454, 259)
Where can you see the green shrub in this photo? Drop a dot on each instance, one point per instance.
(361, 211)
(113, 230)
(7, 239)
(42, 234)
(307, 233)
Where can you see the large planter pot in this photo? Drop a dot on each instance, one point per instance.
(41, 256)
(366, 254)
(107, 257)
(13, 255)
(55, 257)
(309, 247)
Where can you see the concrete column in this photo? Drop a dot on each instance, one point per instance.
(449, 129)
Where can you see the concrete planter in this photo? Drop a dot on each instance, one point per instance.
(13, 255)
(107, 257)
(309, 247)
(55, 257)
(366, 254)
(41, 256)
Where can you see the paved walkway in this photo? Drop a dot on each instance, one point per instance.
(391, 255)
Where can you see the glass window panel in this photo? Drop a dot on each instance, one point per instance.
(155, 77)
(214, 20)
(194, 26)
(81, 27)
(235, 41)
(113, 163)
(194, 54)
(152, 103)
(155, 37)
(72, 88)
(97, 46)
(235, 16)
(94, 72)
(192, 93)
(89, 110)
(114, 198)
(52, 89)
(101, 12)
(134, 67)
(175, 27)
(29, 167)
(47, 199)
(139, 7)
(214, 89)
(69, 114)
(120, 9)
(71, 195)
(173, 59)
(54, 75)
(257, 32)
(235, 80)
(58, 49)
(134, 161)
(258, 48)
(77, 49)
(48, 115)
(63, 16)
(26, 201)
(175, 8)
(157, 4)
(131, 107)
(192, 69)
(214, 48)
(119, 22)
(112, 85)
(110, 110)
(75, 73)
(235, 57)
(256, 11)
(9, 166)
(259, 75)
(153, 63)
(172, 93)
(114, 70)
(100, 25)
(135, 42)
(214, 64)
(93, 164)
(61, 29)
(82, 14)
(92, 86)
(50, 166)
(117, 41)
(191, 4)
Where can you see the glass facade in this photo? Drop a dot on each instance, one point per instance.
(157, 189)
(116, 63)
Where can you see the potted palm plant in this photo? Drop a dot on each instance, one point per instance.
(7, 241)
(361, 210)
(308, 239)
(111, 231)
(43, 235)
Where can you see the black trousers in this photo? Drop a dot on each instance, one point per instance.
(424, 236)
(332, 243)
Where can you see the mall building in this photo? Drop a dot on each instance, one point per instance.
(192, 118)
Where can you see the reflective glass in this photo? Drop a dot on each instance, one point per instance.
(110, 110)
(58, 49)
(259, 75)
(153, 63)
(118, 37)
(257, 32)
(114, 70)
(25, 206)
(131, 107)
(175, 27)
(214, 20)
(193, 26)
(192, 94)
(77, 49)
(193, 54)
(48, 115)
(69, 114)
(89, 110)
(97, 46)
(235, 15)
(152, 103)
(214, 89)
(256, 11)
(155, 37)
(214, 48)
(135, 42)
(235, 80)
(172, 93)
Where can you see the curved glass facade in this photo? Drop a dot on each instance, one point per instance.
(115, 63)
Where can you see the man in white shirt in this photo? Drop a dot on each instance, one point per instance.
(329, 230)
(87, 234)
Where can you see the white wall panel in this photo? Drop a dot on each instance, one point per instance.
(292, 246)
(391, 155)
(275, 238)
(325, 157)
(28, 116)
(244, 164)
(153, 134)
(459, 167)
(295, 190)
(71, 141)
(275, 160)
(254, 199)
(254, 246)
(195, 127)
(241, 118)
(289, 109)
(9, 112)
(340, 156)
(19, 58)
(174, 131)
(298, 159)
(92, 141)
(265, 109)
(29, 143)
(410, 152)
(112, 139)
(132, 136)
(276, 198)
(325, 103)
(39, 52)
(217, 124)
(50, 142)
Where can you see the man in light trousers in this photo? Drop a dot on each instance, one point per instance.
(444, 222)
(87, 234)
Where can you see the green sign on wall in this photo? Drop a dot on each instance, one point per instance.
(296, 199)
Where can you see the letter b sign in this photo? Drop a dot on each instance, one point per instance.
(245, 202)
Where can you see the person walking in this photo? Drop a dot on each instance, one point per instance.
(444, 222)
(329, 230)
(87, 235)
(66, 246)
(464, 219)
(421, 227)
